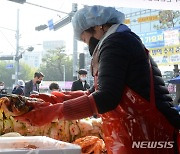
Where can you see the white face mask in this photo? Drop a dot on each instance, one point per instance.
(83, 78)
(1, 87)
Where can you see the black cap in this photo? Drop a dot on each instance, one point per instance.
(82, 71)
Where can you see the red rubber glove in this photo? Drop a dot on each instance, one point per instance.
(49, 98)
(74, 94)
(36, 102)
(81, 107)
(42, 115)
(67, 95)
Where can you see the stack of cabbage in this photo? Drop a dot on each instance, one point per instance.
(62, 130)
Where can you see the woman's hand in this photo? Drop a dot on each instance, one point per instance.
(42, 115)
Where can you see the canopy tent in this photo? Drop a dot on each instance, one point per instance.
(175, 80)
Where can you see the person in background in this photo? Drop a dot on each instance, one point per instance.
(130, 94)
(81, 83)
(19, 88)
(3, 90)
(54, 87)
(32, 86)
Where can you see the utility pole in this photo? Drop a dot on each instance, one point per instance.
(74, 59)
(63, 23)
(75, 55)
(17, 49)
(64, 76)
(56, 26)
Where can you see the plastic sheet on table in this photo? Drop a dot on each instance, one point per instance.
(36, 145)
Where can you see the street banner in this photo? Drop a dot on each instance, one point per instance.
(144, 4)
(168, 55)
(164, 45)
(152, 39)
(171, 37)
(161, 38)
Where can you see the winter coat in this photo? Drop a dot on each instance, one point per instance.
(122, 61)
(29, 88)
(77, 85)
(18, 90)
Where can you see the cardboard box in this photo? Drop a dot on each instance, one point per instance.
(36, 145)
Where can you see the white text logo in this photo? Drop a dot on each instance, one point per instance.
(152, 144)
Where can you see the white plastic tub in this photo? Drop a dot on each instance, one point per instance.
(36, 145)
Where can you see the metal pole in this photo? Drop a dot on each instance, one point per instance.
(74, 9)
(64, 76)
(46, 8)
(74, 59)
(17, 49)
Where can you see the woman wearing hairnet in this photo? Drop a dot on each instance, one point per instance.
(130, 94)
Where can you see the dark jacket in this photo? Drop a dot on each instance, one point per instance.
(18, 90)
(3, 91)
(123, 61)
(2, 95)
(29, 88)
(77, 85)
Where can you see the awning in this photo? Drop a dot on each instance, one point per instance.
(175, 80)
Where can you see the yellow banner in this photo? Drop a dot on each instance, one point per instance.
(148, 18)
(127, 21)
(166, 55)
(165, 51)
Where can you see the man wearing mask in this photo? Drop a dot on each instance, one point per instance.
(32, 86)
(3, 91)
(81, 84)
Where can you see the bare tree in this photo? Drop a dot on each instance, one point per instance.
(168, 19)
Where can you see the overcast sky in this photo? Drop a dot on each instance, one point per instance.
(29, 17)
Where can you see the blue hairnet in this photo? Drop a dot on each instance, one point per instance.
(91, 16)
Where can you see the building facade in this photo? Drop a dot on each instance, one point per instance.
(52, 45)
(34, 58)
